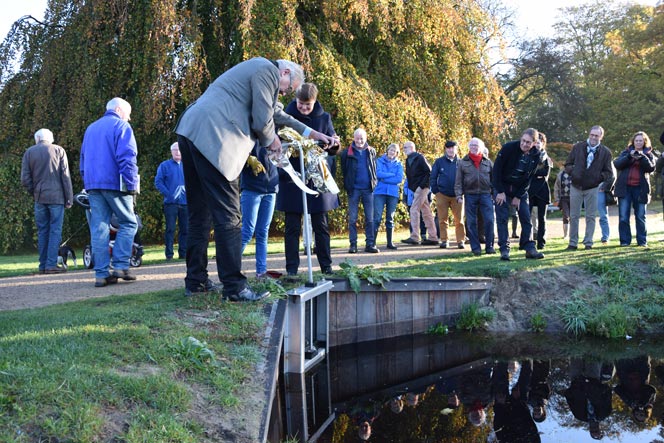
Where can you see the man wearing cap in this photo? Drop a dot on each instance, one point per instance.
(170, 183)
(443, 175)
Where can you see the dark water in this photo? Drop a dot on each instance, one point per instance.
(476, 388)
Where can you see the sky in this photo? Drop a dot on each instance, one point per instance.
(529, 11)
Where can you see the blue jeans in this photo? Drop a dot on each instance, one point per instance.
(502, 217)
(603, 214)
(471, 203)
(354, 198)
(173, 213)
(257, 210)
(48, 219)
(631, 200)
(382, 201)
(103, 203)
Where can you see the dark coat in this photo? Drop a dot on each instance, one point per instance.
(443, 175)
(349, 167)
(600, 171)
(539, 184)
(266, 182)
(418, 171)
(289, 198)
(505, 176)
(624, 163)
(589, 390)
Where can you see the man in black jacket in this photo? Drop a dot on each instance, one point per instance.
(418, 173)
(515, 165)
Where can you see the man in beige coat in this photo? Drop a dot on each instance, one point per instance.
(216, 134)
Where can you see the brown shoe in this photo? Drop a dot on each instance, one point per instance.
(101, 282)
(56, 270)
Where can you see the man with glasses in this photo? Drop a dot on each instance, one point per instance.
(216, 135)
(589, 164)
(513, 170)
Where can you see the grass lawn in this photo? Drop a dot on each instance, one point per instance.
(137, 368)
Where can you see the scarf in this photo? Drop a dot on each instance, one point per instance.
(476, 158)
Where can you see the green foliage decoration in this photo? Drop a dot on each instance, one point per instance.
(356, 274)
(473, 317)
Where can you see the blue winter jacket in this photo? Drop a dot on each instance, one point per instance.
(443, 175)
(390, 175)
(108, 150)
(170, 182)
(266, 182)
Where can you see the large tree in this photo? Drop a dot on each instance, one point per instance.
(402, 70)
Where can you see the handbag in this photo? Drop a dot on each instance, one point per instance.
(611, 199)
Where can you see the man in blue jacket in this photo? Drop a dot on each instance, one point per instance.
(170, 183)
(110, 175)
(443, 175)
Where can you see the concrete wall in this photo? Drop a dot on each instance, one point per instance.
(403, 307)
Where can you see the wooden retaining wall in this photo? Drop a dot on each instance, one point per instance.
(404, 307)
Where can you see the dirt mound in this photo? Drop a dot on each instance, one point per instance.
(519, 296)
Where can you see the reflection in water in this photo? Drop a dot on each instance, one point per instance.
(432, 390)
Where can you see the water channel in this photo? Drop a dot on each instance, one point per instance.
(488, 388)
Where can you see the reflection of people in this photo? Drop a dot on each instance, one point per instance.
(108, 161)
(634, 166)
(540, 390)
(512, 421)
(474, 392)
(306, 109)
(634, 388)
(170, 183)
(216, 134)
(589, 165)
(588, 398)
(45, 175)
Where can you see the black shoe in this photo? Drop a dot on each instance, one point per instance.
(372, 249)
(429, 242)
(505, 256)
(203, 288)
(514, 235)
(391, 246)
(444, 245)
(589, 247)
(327, 270)
(101, 282)
(248, 294)
(477, 253)
(124, 274)
(169, 258)
(352, 250)
(55, 270)
(534, 253)
(540, 247)
(410, 241)
(490, 251)
(572, 248)
(461, 245)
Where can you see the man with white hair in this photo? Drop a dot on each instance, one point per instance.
(170, 183)
(216, 135)
(110, 175)
(45, 175)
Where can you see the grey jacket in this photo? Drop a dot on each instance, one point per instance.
(470, 180)
(239, 108)
(45, 174)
